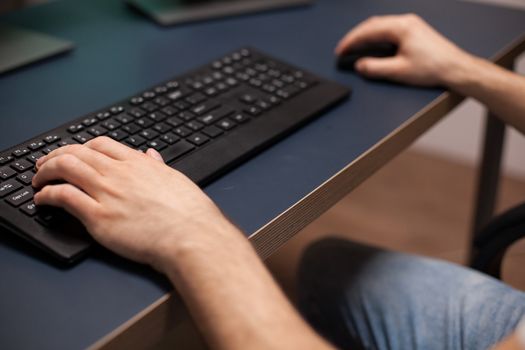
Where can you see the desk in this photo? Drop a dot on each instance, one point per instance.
(109, 303)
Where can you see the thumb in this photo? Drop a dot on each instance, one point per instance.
(384, 68)
(154, 154)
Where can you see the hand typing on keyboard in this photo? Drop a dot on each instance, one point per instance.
(129, 201)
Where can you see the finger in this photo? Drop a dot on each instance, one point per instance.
(70, 198)
(69, 168)
(376, 29)
(95, 159)
(391, 68)
(154, 154)
(111, 148)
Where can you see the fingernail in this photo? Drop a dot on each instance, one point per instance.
(40, 161)
(155, 154)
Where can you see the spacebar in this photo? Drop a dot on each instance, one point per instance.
(175, 151)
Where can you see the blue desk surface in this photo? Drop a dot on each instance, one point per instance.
(119, 53)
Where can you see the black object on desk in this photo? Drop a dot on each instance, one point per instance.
(170, 12)
(348, 59)
(202, 123)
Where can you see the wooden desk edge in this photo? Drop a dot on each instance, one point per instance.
(165, 318)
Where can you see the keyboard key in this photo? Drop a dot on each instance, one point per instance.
(255, 111)
(75, 128)
(148, 95)
(211, 91)
(103, 115)
(18, 198)
(89, 121)
(118, 135)
(9, 187)
(5, 159)
(150, 106)
(212, 131)
(221, 87)
(67, 142)
(49, 139)
(34, 157)
(157, 144)
(226, 124)
(178, 94)
(29, 209)
(149, 134)
(49, 149)
(137, 112)
(111, 124)
(26, 178)
(161, 89)
(274, 100)
(263, 105)
(186, 115)
(48, 216)
(216, 115)
(124, 118)
(20, 152)
(169, 111)
(137, 100)
(174, 121)
(176, 150)
(194, 125)
(172, 85)
(135, 140)
(131, 128)
(157, 116)
(181, 105)
(240, 118)
(196, 98)
(182, 131)
(144, 122)
(116, 110)
(198, 139)
(162, 101)
(291, 90)
(162, 128)
(36, 145)
(6, 173)
(22, 165)
(205, 107)
(82, 137)
(97, 131)
(170, 138)
(248, 98)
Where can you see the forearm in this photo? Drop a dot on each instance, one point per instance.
(232, 296)
(502, 91)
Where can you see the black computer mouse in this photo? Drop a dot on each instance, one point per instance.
(347, 60)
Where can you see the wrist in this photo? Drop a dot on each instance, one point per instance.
(193, 243)
(464, 74)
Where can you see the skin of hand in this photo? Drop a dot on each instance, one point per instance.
(424, 57)
(134, 204)
(130, 202)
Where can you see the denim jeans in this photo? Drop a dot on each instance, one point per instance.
(359, 297)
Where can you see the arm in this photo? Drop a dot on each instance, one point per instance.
(426, 58)
(135, 205)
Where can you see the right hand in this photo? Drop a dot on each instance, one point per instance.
(424, 57)
(130, 202)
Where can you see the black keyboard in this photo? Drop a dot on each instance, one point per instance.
(202, 123)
